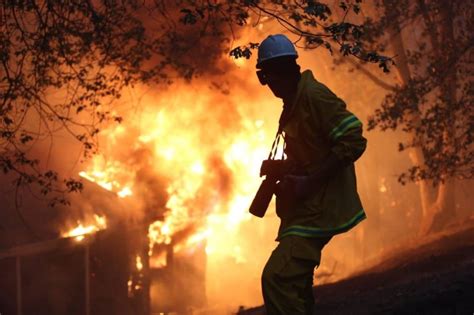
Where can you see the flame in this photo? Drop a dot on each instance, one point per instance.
(129, 288)
(158, 233)
(138, 263)
(383, 187)
(179, 150)
(184, 189)
(126, 191)
(211, 172)
(199, 237)
(158, 261)
(104, 174)
(81, 230)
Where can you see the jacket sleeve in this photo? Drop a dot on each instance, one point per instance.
(341, 128)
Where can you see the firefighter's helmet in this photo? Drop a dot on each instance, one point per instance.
(274, 46)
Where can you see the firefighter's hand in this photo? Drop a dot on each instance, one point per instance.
(298, 186)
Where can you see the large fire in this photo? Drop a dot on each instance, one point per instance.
(210, 166)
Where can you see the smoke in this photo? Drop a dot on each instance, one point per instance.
(188, 42)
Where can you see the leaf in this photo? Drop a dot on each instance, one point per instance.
(24, 138)
(314, 40)
(296, 17)
(328, 46)
(343, 5)
(73, 185)
(188, 18)
(318, 10)
(242, 17)
(7, 120)
(240, 51)
(356, 8)
(345, 49)
(357, 32)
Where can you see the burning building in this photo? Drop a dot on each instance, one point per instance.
(156, 213)
(102, 267)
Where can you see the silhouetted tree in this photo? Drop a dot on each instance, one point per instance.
(433, 100)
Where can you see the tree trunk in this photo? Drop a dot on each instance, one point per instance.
(443, 209)
(435, 201)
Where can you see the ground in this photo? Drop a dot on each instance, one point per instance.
(433, 277)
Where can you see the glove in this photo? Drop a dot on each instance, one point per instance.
(297, 186)
(301, 186)
(291, 190)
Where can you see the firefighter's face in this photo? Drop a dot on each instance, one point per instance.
(279, 82)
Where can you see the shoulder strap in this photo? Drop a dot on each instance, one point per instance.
(278, 138)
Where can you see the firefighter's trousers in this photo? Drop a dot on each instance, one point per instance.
(287, 278)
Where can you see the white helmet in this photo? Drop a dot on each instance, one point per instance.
(274, 46)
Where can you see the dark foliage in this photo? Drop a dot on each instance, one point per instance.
(434, 103)
(313, 22)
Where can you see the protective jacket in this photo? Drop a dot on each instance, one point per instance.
(318, 123)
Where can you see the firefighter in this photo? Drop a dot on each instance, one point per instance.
(323, 139)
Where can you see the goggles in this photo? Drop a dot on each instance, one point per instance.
(262, 77)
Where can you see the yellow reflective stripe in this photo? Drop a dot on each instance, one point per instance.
(347, 123)
(307, 231)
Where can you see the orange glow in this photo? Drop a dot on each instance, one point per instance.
(195, 161)
(129, 288)
(158, 261)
